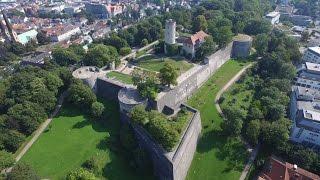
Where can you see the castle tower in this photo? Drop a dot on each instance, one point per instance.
(13, 34)
(170, 32)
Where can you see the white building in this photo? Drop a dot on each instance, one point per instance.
(192, 43)
(309, 76)
(312, 55)
(61, 32)
(273, 17)
(305, 115)
(27, 36)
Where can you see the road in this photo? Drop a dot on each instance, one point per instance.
(40, 130)
(253, 152)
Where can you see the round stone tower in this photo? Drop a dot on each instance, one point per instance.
(129, 98)
(241, 46)
(170, 32)
(88, 74)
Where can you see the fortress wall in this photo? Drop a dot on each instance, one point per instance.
(108, 88)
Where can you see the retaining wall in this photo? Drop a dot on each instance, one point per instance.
(108, 88)
(172, 165)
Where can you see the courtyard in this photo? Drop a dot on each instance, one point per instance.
(217, 156)
(124, 78)
(155, 63)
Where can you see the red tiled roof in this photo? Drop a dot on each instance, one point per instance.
(199, 36)
(278, 170)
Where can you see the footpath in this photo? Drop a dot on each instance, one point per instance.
(40, 130)
(253, 152)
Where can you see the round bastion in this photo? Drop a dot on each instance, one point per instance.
(241, 46)
(129, 98)
(88, 74)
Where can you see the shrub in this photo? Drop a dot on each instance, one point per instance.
(22, 171)
(6, 160)
(125, 51)
(80, 174)
(139, 115)
(92, 164)
(97, 109)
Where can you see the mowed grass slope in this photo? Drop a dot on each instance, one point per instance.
(155, 63)
(217, 156)
(124, 78)
(72, 139)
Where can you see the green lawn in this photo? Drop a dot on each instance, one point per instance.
(124, 78)
(72, 139)
(155, 63)
(217, 156)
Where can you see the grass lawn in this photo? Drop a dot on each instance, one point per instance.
(72, 139)
(124, 78)
(217, 157)
(155, 63)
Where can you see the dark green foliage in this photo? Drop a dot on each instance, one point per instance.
(139, 116)
(200, 24)
(125, 51)
(253, 131)
(69, 56)
(80, 174)
(172, 49)
(164, 130)
(207, 48)
(11, 140)
(28, 116)
(100, 55)
(81, 95)
(97, 110)
(6, 160)
(92, 164)
(257, 26)
(168, 74)
(116, 42)
(22, 171)
(146, 83)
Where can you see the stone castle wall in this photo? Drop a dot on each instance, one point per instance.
(108, 88)
(172, 165)
(179, 94)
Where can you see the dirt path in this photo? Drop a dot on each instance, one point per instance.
(39, 131)
(253, 152)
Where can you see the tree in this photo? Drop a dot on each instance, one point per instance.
(97, 109)
(22, 171)
(144, 42)
(101, 55)
(253, 131)
(257, 26)
(116, 42)
(92, 164)
(65, 57)
(139, 115)
(146, 83)
(42, 38)
(80, 174)
(81, 95)
(232, 126)
(6, 160)
(125, 51)
(12, 140)
(28, 115)
(207, 48)
(223, 35)
(304, 36)
(200, 23)
(261, 43)
(168, 74)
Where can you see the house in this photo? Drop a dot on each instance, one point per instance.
(192, 43)
(35, 59)
(102, 11)
(273, 17)
(276, 169)
(300, 20)
(61, 32)
(25, 37)
(312, 55)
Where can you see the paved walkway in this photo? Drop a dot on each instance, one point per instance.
(253, 152)
(39, 131)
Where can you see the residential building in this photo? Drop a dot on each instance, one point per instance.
(35, 59)
(61, 32)
(192, 43)
(300, 20)
(277, 169)
(312, 55)
(305, 115)
(25, 37)
(102, 11)
(273, 17)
